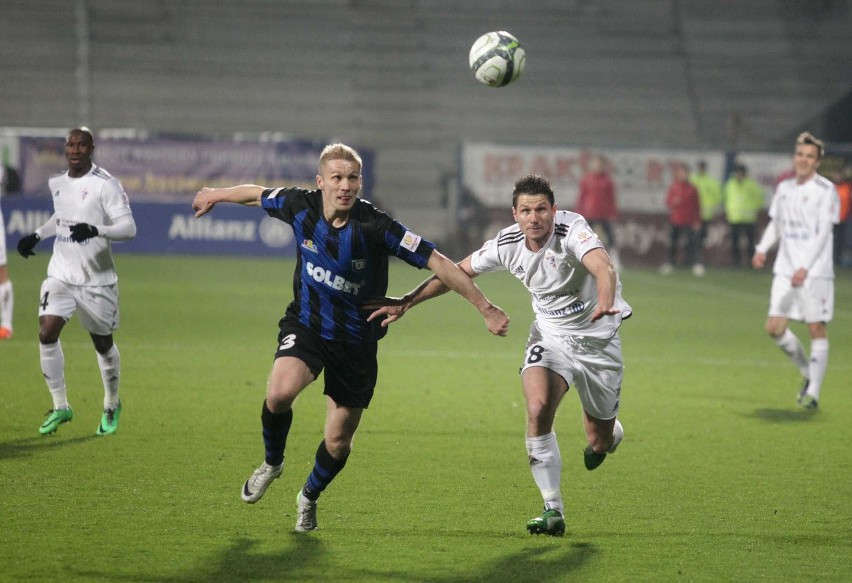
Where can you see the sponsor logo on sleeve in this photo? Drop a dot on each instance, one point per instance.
(585, 235)
(410, 241)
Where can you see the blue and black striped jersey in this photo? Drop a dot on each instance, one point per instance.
(337, 269)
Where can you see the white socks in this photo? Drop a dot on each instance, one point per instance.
(817, 366)
(7, 303)
(110, 365)
(546, 466)
(53, 368)
(789, 343)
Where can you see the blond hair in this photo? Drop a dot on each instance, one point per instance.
(809, 139)
(339, 152)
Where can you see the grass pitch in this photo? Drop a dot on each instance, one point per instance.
(720, 476)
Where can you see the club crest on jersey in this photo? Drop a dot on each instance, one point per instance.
(56, 194)
(84, 193)
(309, 245)
(410, 241)
(359, 264)
(550, 258)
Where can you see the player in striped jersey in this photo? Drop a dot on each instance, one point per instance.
(576, 297)
(802, 215)
(90, 211)
(343, 248)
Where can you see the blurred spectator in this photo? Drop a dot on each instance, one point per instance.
(7, 297)
(682, 200)
(710, 199)
(596, 202)
(743, 199)
(10, 180)
(472, 220)
(842, 179)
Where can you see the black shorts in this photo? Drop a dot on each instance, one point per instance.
(351, 370)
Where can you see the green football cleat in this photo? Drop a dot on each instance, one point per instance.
(591, 459)
(807, 402)
(55, 418)
(550, 523)
(109, 421)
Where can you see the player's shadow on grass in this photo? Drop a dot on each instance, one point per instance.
(296, 562)
(783, 415)
(302, 558)
(531, 565)
(553, 562)
(28, 446)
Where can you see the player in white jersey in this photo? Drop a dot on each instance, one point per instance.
(7, 298)
(576, 297)
(91, 211)
(802, 214)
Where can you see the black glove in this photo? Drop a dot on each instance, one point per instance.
(82, 231)
(26, 245)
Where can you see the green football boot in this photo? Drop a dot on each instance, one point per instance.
(550, 523)
(55, 418)
(591, 459)
(109, 421)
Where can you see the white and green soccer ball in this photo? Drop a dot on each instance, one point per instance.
(497, 58)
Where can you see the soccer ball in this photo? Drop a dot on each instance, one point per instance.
(497, 58)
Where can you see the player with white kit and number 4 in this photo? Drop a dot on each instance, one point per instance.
(91, 210)
(576, 296)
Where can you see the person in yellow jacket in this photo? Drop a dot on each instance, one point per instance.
(743, 199)
(710, 198)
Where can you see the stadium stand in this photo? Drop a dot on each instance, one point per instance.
(392, 75)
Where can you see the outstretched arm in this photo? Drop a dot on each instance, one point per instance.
(598, 263)
(244, 194)
(458, 278)
(460, 282)
(392, 309)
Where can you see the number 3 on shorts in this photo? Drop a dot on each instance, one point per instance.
(288, 341)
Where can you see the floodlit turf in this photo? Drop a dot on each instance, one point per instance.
(720, 476)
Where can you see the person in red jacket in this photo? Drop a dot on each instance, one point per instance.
(685, 219)
(596, 202)
(842, 179)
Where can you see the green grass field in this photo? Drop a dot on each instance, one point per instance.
(720, 477)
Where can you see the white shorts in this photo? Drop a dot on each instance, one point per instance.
(593, 366)
(811, 302)
(97, 304)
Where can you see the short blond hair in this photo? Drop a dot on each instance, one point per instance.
(339, 152)
(809, 139)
